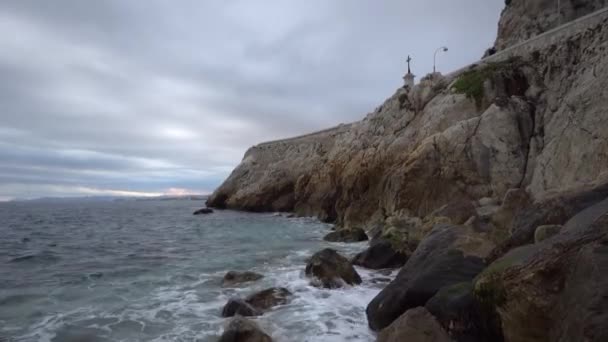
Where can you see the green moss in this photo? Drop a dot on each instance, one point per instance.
(455, 290)
(471, 83)
(398, 239)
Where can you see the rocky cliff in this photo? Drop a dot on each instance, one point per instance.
(523, 19)
(490, 182)
(537, 122)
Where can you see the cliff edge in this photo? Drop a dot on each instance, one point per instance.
(535, 121)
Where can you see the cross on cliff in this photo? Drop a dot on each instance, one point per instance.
(408, 60)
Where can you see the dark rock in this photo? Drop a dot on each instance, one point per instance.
(232, 278)
(241, 329)
(379, 255)
(237, 306)
(439, 261)
(463, 316)
(269, 298)
(416, 325)
(203, 211)
(557, 289)
(346, 235)
(554, 210)
(457, 211)
(331, 270)
(544, 232)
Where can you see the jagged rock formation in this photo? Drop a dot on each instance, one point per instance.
(523, 19)
(460, 172)
(538, 122)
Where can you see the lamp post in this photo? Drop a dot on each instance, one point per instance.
(444, 49)
(559, 14)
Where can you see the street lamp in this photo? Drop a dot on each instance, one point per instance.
(444, 49)
(559, 14)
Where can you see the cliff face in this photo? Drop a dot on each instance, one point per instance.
(523, 19)
(537, 122)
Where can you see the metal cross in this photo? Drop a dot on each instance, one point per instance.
(409, 59)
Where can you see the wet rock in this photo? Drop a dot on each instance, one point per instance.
(203, 211)
(416, 325)
(379, 255)
(448, 255)
(233, 278)
(546, 231)
(331, 270)
(269, 298)
(237, 306)
(241, 329)
(463, 316)
(557, 289)
(346, 235)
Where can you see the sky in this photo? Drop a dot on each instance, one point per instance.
(129, 97)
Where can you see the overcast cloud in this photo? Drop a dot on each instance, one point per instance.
(122, 97)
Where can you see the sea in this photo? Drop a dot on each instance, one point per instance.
(149, 270)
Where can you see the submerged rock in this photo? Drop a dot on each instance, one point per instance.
(237, 306)
(448, 255)
(380, 255)
(416, 325)
(203, 211)
(257, 303)
(233, 278)
(241, 329)
(346, 235)
(331, 270)
(269, 298)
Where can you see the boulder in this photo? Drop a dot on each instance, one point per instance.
(557, 289)
(237, 306)
(463, 316)
(448, 255)
(241, 329)
(380, 255)
(556, 209)
(203, 211)
(544, 232)
(269, 298)
(457, 211)
(346, 235)
(331, 270)
(416, 325)
(233, 278)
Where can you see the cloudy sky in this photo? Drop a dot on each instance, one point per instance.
(129, 97)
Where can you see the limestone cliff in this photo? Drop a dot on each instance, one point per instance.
(523, 19)
(537, 121)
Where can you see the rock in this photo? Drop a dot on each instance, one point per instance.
(203, 211)
(331, 270)
(416, 325)
(457, 211)
(237, 306)
(233, 278)
(241, 329)
(269, 298)
(522, 20)
(346, 235)
(546, 231)
(447, 256)
(487, 201)
(380, 255)
(557, 289)
(461, 314)
(557, 209)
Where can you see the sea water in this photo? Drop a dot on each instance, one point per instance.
(127, 270)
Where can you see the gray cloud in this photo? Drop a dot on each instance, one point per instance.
(146, 96)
